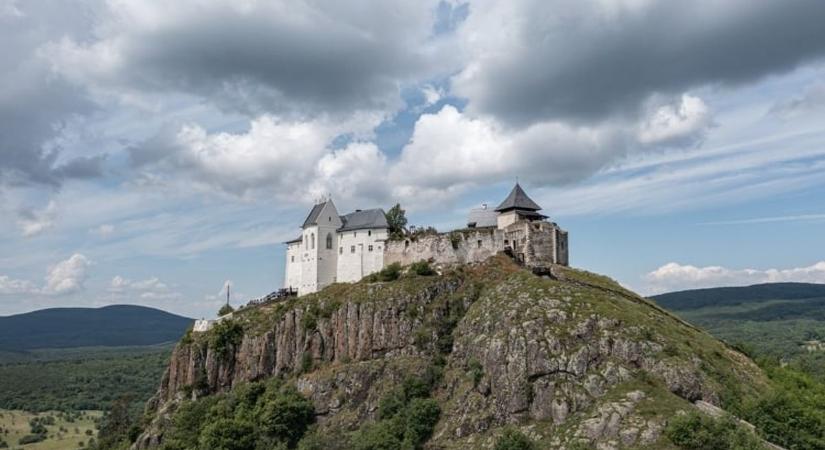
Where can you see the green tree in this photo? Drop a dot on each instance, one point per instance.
(225, 309)
(227, 434)
(397, 220)
(284, 414)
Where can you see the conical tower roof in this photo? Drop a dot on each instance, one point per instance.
(518, 199)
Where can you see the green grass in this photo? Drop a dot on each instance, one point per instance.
(66, 433)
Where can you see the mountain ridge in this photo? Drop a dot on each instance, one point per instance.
(112, 326)
(736, 295)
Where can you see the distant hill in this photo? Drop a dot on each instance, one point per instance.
(731, 296)
(111, 326)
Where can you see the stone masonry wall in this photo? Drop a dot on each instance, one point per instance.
(535, 244)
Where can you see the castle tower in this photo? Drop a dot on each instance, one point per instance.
(517, 206)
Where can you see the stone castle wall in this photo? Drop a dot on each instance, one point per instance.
(535, 244)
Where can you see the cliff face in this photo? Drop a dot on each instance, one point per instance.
(569, 357)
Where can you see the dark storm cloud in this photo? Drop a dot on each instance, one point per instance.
(34, 103)
(577, 61)
(297, 59)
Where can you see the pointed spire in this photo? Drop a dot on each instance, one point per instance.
(518, 199)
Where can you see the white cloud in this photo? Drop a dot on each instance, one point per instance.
(9, 286)
(104, 230)
(34, 222)
(149, 289)
(67, 277)
(680, 123)
(9, 8)
(674, 276)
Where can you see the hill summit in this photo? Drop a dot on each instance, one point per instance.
(462, 359)
(117, 325)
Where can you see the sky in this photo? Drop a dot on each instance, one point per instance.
(152, 152)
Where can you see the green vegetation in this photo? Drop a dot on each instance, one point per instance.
(74, 380)
(696, 431)
(513, 439)
(267, 415)
(422, 268)
(732, 296)
(225, 335)
(397, 221)
(48, 430)
(225, 309)
(406, 418)
(388, 273)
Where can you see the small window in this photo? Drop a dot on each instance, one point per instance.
(406, 244)
(340, 250)
(506, 242)
(329, 219)
(369, 232)
(352, 249)
(329, 241)
(369, 248)
(354, 233)
(479, 243)
(293, 258)
(312, 241)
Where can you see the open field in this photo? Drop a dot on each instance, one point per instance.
(69, 431)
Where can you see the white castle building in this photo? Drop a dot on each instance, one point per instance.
(334, 248)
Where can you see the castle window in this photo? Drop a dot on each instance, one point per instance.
(340, 250)
(293, 258)
(369, 232)
(306, 244)
(312, 240)
(329, 241)
(506, 242)
(479, 243)
(352, 249)
(406, 244)
(370, 248)
(354, 233)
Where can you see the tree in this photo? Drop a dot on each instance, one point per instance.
(397, 220)
(225, 309)
(228, 434)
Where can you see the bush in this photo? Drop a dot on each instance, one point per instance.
(389, 273)
(225, 309)
(695, 431)
(284, 414)
(31, 439)
(513, 439)
(225, 335)
(422, 268)
(227, 434)
(476, 371)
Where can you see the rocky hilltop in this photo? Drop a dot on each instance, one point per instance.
(568, 358)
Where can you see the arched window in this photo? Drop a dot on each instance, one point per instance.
(329, 241)
(312, 241)
(306, 243)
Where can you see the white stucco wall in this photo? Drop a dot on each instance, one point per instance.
(292, 275)
(355, 259)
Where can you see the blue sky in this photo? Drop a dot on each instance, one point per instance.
(149, 153)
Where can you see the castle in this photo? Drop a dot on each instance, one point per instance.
(334, 248)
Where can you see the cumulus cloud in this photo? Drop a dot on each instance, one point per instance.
(148, 289)
(33, 222)
(531, 60)
(676, 124)
(67, 277)
(10, 286)
(674, 276)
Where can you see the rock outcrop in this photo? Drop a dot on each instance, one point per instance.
(568, 358)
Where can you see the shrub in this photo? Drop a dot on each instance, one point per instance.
(225, 309)
(306, 362)
(389, 273)
(476, 371)
(31, 439)
(695, 431)
(225, 335)
(422, 268)
(284, 414)
(227, 434)
(455, 239)
(513, 439)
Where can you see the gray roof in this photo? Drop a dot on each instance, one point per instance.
(518, 199)
(368, 218)
(482, 217)
(297, 239)
(312, 218)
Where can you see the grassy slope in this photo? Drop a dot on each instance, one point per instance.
(17, 423)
